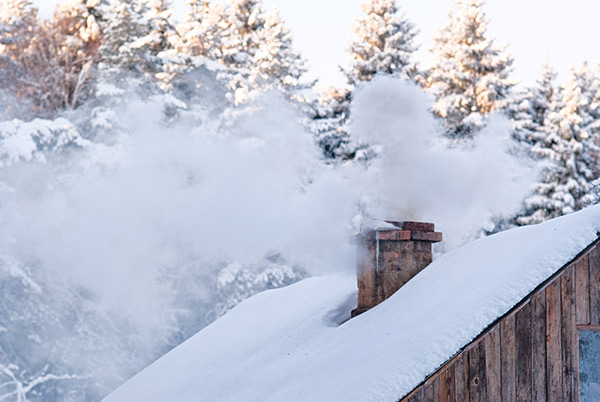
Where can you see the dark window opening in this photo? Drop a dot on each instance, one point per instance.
(589, 366)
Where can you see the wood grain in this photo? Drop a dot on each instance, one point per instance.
(569, 335)
(508, 358)
(492, 365)
(538, 347)
(523, 353)
(582, 290)
(553, 342)
(477, 374)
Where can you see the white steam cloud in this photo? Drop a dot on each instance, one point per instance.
(114, 218)
(422, 176)
(125, 225)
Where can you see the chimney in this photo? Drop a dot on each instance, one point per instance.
(389, 254)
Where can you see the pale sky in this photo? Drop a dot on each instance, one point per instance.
(567, 31)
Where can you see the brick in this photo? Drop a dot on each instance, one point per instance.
(433, 237)
(397, 235)
(409, 225)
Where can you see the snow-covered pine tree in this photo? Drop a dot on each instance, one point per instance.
(383, 43)
(159, 44)
(589, 84)
(276, 62)
(125, 25)
(257, 50)
(529, 111)
(160, 29)
(201, 31)
(567, 150)
(328, 124)
(240, 43)
(470, 75)
(589, 77)
(245, 18)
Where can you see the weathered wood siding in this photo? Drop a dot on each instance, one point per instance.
(532, 353)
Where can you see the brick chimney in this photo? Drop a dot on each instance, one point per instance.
(388, 255)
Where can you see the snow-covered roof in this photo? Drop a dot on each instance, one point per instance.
(287, 344)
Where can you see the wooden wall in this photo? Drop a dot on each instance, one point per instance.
(532, 353)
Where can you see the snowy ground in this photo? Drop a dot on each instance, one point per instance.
(288, 344)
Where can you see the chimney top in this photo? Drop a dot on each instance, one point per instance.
(398, 231)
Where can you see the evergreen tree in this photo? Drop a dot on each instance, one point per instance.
(125, 26)
(245, 18)
(202, 30)
(469, 76)
(331, 114)
(241, 41)
(589, 109)
(383, 43)
(276, 61)
(158, 46)
(141, 38)
(257, 50)
(160, 29)
(530, 109)
(566, 150)
(589, 78)
(160, 41)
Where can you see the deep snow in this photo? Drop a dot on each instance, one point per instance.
(287, 344)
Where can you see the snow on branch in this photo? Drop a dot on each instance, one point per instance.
(15, 389)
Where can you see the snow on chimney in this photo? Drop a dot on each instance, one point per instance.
(389, 254)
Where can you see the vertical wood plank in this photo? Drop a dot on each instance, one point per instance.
(538, 346)
(523, 353)
(492, 365)
(569, 335)
(460, 379)
(594, 265)
(443, 397)
(436, 389)
(582, 290)
(507, 358)
(477, 377)
(553, 342)
(447, 385)
(417, 396)
(428, 392)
